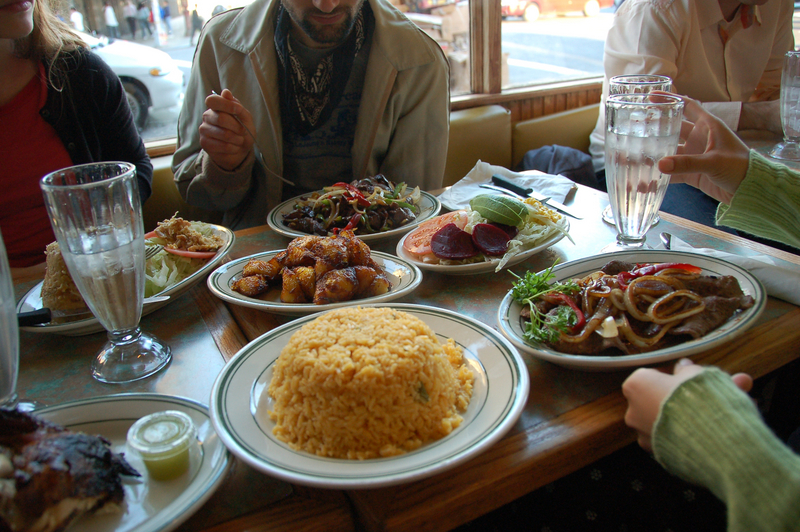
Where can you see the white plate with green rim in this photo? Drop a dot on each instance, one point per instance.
(500, 391)
(32, 300)
(511, 325)
(429, 206)
(489, 266)
(404, 277)
(150, 506)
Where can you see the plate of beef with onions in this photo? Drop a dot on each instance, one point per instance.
(631, 308)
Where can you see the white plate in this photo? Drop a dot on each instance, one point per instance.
(509, 321)
(404, 276)
(479, 267)
(32, 300)
(429, 207)
(499, 395)
(149, 505)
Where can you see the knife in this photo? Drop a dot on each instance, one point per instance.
(47, 315)
(507, 184)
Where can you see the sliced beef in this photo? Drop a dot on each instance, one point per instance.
(718, 310)
(709, 285)
(614, 267)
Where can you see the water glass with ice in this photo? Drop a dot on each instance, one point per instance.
(789, 148)
(96, 215)
(635, 84)
(9, 334)
(640, 130)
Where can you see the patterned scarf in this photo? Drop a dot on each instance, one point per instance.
(308, 101)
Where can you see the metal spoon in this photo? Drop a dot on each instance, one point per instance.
(666, 239)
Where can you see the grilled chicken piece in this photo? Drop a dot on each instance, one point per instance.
(269, 268)
(298, 284)
(51, 476)
(251, 286)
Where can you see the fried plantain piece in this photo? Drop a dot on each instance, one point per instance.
(371, 281)
(298, 284)
(251, 286)
(269, 268)
(335, 286)
(330, 254)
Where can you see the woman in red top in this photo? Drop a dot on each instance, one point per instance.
(59, 105)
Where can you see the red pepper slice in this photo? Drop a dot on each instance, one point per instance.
(354, 193)
(564, 298)
(650, 269)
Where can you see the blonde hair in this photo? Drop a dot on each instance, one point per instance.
(50, 39)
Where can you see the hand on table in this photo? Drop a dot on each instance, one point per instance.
(713, 158)
(222, 137)
(647, 388)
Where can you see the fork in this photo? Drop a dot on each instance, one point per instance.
(151, 250)
(256, 150)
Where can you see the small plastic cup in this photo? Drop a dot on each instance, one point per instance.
(163, 441)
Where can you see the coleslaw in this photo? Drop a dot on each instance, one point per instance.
(166, 269)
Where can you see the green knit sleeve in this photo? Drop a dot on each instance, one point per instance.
(767, 202)
(710, 433)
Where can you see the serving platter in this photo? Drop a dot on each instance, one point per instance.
(404, 276)
(150, 506)
(239, 402)
(32, 300)
(511, 326)
(480, 267)
(429, 207)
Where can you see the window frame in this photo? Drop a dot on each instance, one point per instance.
(486, 79)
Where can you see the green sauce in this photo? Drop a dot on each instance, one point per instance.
(163, 441)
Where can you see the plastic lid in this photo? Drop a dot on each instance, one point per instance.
(162, 433)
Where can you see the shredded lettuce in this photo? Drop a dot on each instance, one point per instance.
(165, 269)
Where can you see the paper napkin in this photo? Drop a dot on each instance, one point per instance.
(780, 280)
(458, 196)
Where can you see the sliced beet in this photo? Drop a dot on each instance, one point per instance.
(452, 243)
(491, 240)
(510, 230)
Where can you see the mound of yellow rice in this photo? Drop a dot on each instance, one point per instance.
(363, 383)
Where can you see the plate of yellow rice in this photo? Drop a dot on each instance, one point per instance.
(369, 396)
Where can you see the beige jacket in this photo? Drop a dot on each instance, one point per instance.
(403, 121)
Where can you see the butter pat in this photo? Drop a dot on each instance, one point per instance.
(163, 440)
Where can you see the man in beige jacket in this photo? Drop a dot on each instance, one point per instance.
(323, 91)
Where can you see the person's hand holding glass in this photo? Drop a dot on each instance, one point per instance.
(789, 148)
(635, 84)
(95, 212)
(640, 130)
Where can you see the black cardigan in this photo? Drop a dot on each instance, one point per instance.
(92, 118)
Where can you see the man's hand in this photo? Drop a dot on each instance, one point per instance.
(222, 137)
(646, 389)
(713, 158)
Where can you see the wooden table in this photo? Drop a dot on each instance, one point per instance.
(572, 417)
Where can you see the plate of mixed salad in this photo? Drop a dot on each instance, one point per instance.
(494, 232)
(170, 272)
(373, 208)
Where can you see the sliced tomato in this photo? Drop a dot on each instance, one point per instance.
(419, 241)
(181, 252)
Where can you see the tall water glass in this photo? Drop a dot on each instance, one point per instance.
(635, 84)
(640, 130)
(96, 215)
(9, 334)
(789, 148)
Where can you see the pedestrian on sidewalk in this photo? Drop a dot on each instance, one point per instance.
(165, 16)
(129, 11)
(143, 14)
(197, 25)
(187, 17)
(76, 17)
(112, 26)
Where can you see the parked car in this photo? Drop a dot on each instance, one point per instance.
(531, 9)
(151, 78)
